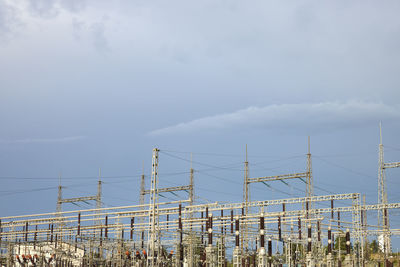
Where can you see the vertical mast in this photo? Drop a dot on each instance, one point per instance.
(141, 201)
(381, 177)
(142, 187)
(59, 209)
(191, 192)
(310, 182)
(98, 198)
(98, 201)
(244, 243)
(59, 196)
(153, 210)
(383, 216)
(98, 207)
(191, 201)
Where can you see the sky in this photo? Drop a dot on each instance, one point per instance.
(98, 84)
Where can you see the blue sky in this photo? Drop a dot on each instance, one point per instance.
(97, 84)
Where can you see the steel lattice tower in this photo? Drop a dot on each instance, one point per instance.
(310, 182)
(383, 216)
(153, 234)
(246, 198)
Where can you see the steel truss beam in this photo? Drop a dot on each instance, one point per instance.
(391, 165)
(169, 189)
(77, 199)
(277, 177)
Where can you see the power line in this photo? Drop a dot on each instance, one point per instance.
(28, 191)
(199, 163)
(68, 178)
(216, 154)
(345, 168)
(277, 160)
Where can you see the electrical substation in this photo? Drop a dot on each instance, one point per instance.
(313, 230)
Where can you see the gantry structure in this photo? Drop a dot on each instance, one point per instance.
(306, 230)
(383, 214)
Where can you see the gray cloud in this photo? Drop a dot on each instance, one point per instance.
(77, 28)
(73, 5)
(51, 8)
(319, 117)
(8, 20)
(94, 33)
(99, 38)
(43, 8)
(43, 140)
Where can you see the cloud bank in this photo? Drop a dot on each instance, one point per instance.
(43, 140)
(317, 116)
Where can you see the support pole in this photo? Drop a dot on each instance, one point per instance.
(237, 262)
(261, 252)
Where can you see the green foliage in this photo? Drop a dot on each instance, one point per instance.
(374, 247)
(340, 241)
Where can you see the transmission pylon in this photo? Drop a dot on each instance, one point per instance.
(142, 188)
(59, 195)
(59, 202)
(191, 201)
(191, 191)
(310, 182)
(383, 216)
(98, 198)
(153, 234)
(141, 202)
(244, 243)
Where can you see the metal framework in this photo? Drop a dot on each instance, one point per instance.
(97, 237)
(153, 245)
(383, 214)
(277, 177)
